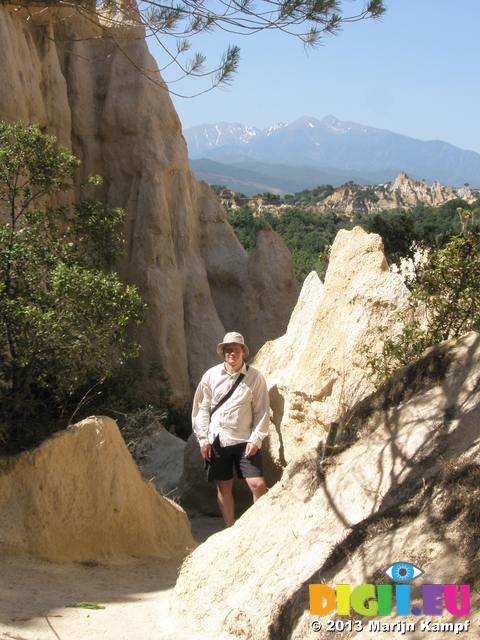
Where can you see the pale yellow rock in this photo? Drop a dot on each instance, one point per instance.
(278, 360)
(410, 192)
(269, 287)
(80, 497)
(281, 355)
(316, 371)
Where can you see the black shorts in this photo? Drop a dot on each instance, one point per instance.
(225, 458)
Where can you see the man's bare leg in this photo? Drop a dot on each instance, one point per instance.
(225, 501)
(257, 487)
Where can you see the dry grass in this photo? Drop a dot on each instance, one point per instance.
(460, 499)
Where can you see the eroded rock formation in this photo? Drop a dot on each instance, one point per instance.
(317, 371)
(80, 497)
(403, 486)
(404, 192)
(78, 76)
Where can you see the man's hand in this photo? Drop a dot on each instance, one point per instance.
(250, 450)
(206, 452)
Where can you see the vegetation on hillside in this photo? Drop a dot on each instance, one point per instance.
(445, 287)
(308, 233)
(66, 320)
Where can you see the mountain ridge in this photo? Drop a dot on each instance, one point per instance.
(337, 148)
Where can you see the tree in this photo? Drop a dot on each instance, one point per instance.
(246, 226)
(65, 318)
(446, 294)
(397, 232)
(174, 24)
(450, 287)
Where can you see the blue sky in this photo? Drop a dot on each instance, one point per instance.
(416, 73)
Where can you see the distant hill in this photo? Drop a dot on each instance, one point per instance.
(286, 158)
(252, 178)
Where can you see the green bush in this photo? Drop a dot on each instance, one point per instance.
(246, 226)
(447, 293)
(397, 230)
(66, 320)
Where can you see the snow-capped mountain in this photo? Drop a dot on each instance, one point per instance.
(331, 144)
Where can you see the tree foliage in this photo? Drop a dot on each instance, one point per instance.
(397, 232)
(307, 20)
(450, 287)
(175, 23)
(307, 234)
(65, 317)
(444, 303)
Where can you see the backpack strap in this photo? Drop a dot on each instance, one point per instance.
(229, 393)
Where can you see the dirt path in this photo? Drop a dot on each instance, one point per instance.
(34, 598)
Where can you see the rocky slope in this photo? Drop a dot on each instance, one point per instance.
(404, 192)
(88, 78)
(402, 487)
(316, 371)
(351, 199)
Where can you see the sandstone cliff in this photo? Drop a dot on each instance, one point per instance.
(404, 192)
(352, 199)
(90, 80)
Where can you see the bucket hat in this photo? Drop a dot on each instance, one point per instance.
(230, 337)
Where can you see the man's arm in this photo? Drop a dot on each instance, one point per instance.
(206, 452)
(261, 415)
(201, 413)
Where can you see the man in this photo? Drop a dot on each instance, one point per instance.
(230, 419)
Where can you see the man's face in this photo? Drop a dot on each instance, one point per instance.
(233, 353)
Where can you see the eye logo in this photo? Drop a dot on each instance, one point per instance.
(403, 572)
(373, 600)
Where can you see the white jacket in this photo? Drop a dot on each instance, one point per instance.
(244, 417)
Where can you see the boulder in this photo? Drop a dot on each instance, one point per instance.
(407, 465)
(160, 460)
(80, 497)
(317, 370)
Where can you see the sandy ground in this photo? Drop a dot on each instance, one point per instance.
(34, 597)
